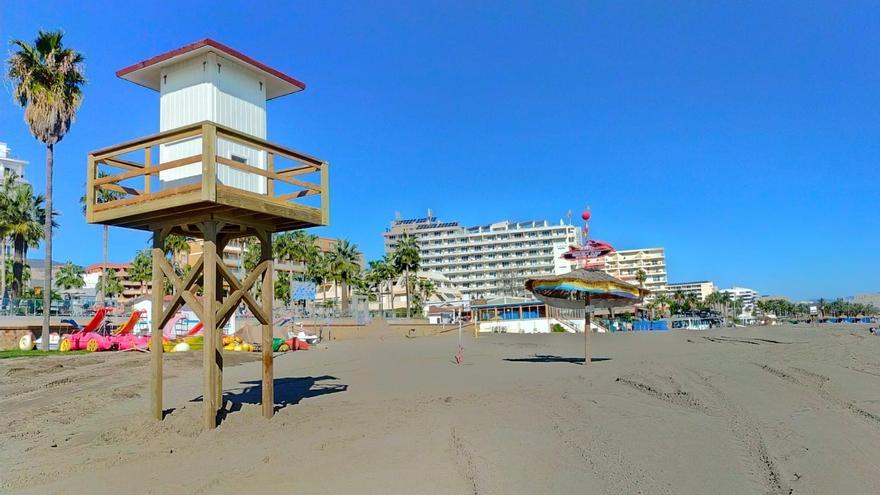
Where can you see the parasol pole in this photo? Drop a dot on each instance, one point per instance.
(588, 354)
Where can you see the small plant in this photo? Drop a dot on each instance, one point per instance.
(557, 328)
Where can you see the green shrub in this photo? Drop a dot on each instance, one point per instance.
(557, 328)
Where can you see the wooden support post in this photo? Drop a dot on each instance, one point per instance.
(325, 200)
(270, 167)
(148, 183)
(209, 361)
(209, 162)
(91, 174)
(158, 295)
(267, 294)
(222, 241)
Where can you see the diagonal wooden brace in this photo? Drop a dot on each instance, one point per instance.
(178, 300)
(182, 291)
(241, 291)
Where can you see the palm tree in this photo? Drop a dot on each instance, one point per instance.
(317, 273)
(641, 276)
(109, 283)
(427, 289)
(375, 277)
(662, 301)
(296, 247)
(70, 277)
(281, 288)
(24, 217)
(47, 82)
(141, 269)
(7, 185)
(724, 300)
(102, 196)
(305, 250)
(345, 266)
(407, 258)
(176, 244)
(391, 273)
(25, 271)
(251, 256)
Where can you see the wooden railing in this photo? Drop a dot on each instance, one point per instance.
(133, 181)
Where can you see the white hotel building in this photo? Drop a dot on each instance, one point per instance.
(625, 265)
(488, 260)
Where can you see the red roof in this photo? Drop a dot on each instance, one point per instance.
(130, 73)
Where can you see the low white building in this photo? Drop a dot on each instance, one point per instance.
(748, 297)
(9, 165)
(525, 315)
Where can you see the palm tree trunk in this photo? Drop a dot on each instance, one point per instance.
(17, 266)
(47, 233)
(391, 293)
(344, 296)
(408, 305)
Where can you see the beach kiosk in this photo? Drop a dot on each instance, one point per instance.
(209, 173)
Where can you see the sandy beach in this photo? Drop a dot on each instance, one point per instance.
(737, 411)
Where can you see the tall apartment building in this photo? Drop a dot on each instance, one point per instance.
(625, 265)
(487, 260)
(701, 289)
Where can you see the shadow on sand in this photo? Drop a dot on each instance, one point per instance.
(288, 391)
(549, 358)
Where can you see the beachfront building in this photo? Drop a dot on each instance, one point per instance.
(701, 289)
(130, 289)
(748, 297)
(487, 260)
(625, 265)
(10, 165)
(526, 315)
(445, 294)
(233, 255)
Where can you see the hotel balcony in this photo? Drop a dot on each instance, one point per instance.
(206, 171)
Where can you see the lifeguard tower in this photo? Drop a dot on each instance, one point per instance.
(209, 173)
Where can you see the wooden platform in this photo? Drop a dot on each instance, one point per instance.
(142, 201)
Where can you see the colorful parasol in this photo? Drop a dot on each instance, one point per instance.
(588, 290)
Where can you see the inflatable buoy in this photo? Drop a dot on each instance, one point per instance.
(26, 342)
(181, 347)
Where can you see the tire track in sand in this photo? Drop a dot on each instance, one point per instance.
(708, 399)
(465, 459)
(820, 385)
(601, 453)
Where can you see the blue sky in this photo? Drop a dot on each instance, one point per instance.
(740, 136)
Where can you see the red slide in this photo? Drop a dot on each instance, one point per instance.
(128, 326)
(194, 330)
(96, 322)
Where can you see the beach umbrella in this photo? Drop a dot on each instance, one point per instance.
(588, 290)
